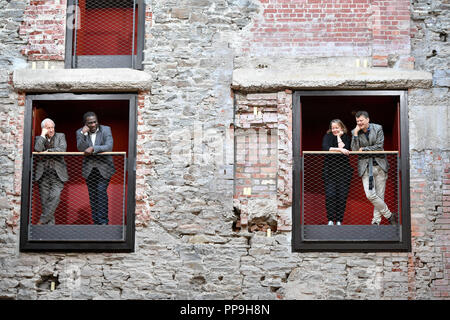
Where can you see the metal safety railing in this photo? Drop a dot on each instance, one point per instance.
(77, 197)
(104, 33)
(337, 204)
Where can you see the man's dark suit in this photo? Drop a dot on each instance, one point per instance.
(50, 173)
(97, 170)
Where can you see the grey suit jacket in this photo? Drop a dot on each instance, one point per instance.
(375, 143)
(58, 162)
(103, 143)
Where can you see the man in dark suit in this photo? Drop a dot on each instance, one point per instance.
(92, 139)
(373, 169)
(50, 171)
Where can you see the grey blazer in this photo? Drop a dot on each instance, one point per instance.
(375, 143)
(58, 162)
(103, 143)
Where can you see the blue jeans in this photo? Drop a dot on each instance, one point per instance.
(98, 196)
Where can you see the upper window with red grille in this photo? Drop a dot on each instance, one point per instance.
(105, 33)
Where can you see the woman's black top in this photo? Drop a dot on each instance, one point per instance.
(336, 163)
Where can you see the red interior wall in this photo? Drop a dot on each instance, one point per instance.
(39, 114)
(105, 31)
(68, 117)
(316, 113)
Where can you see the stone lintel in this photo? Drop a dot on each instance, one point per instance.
(81, 80)
(270, 79)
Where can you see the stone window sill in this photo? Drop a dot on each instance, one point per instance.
(81, 80)
(259, 80)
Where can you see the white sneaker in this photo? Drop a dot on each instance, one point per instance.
(338, 223)
(330, 223)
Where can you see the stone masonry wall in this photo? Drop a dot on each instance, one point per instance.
(200, 232)
(11, 130)
(429, 117)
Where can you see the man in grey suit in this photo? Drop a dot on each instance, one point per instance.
(372, 168)
(92, 139)
(50, 171)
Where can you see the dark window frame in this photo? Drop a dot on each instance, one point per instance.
(136, 63)
(127, 245)
(299, 245)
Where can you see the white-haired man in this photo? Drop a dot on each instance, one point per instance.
(51, 170)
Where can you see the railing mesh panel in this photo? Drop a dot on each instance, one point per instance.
(82, 209)
(105, 33)
(333, 191)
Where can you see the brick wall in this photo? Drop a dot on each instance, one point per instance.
(441, 288)
(44, 30)
(331, 28)
(256, 145)
(256, 153)
(12, 141)
(263, 167)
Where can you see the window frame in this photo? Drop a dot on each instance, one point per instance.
(136, 63)
(299, 245)
(127, 245)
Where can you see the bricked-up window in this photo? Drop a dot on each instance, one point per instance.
(322, 182)
(61, 208)
(105, 34)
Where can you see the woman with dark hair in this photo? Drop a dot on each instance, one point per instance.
(337, 172)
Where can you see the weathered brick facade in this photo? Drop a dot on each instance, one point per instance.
(44, 27)
(214, 155)
(375, 29)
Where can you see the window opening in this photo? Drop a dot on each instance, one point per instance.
(105, 34)
(331, 208)
(74, 218)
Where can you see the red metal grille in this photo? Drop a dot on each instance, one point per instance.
(105, 28)
(73, 205)
(336, 193)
